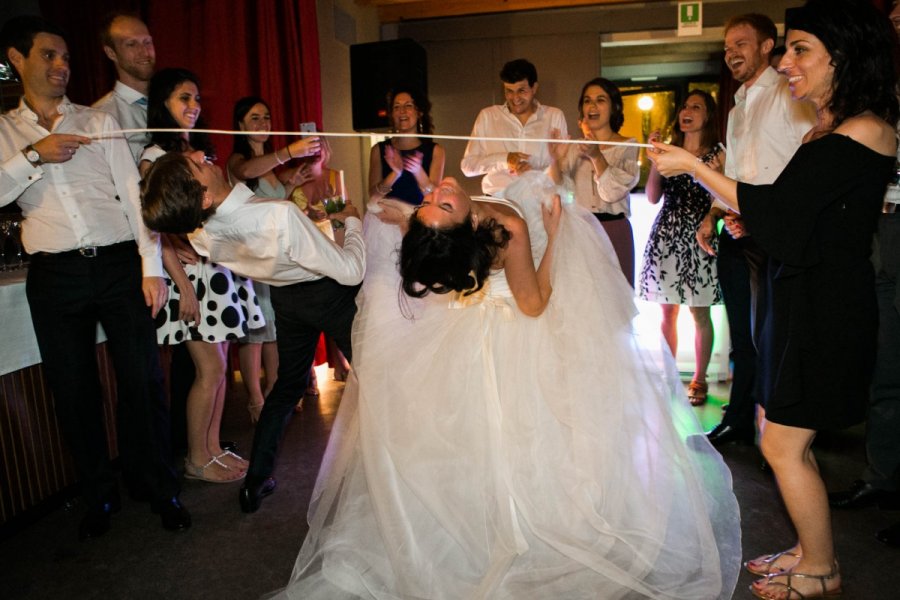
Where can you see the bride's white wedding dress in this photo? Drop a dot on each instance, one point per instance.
(481, 453)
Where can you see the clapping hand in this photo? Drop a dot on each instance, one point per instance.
(557, 151)
(413, 163)
(393, 159)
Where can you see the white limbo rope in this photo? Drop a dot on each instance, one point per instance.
(122, 132)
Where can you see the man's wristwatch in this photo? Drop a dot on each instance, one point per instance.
(32, 155)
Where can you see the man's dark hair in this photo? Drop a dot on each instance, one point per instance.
(517, 70)
(763, 26)
(19, 32)
(171, 197)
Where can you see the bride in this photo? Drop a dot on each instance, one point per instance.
(502, 436)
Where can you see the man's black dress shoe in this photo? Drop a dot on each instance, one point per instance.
(96, 522)
(172, 513)
(723, 434)
(890, 535)
(253, 491)
(862, 494)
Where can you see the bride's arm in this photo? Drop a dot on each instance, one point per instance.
(531, 289)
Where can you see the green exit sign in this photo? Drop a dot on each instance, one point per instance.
(690, 18)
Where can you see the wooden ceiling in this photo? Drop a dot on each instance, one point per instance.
(392, 11)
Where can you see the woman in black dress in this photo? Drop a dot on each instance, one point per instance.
(816, 222)
(406, 167)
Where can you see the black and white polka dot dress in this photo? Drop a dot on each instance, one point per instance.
(228, 307)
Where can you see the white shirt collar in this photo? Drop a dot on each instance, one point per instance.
(239, 195)
(129, 94)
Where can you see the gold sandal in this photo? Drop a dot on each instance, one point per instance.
(767, 562)
(697, 393)
(793, 594)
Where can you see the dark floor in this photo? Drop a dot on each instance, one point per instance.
(227, 554)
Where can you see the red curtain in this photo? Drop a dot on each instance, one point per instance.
(267, 48)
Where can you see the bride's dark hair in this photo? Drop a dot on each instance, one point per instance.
(455, 259)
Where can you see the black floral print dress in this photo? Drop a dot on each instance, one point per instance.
(676, 269)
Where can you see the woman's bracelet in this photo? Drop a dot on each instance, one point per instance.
(278, 158)
(428, 188)
(291, 154)
(697, 163)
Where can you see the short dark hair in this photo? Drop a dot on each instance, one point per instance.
(517, 70)
(617, 110)
(763, 26)
(162, 84)
(18, 32)
(709, 136)
(171, 197)
(863, 48)
(423, 105)
(453, 259)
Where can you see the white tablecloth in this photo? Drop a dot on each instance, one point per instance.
(19, 348)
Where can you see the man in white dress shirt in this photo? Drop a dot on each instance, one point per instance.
(765, 128)
(314, 280)
(92, 259)
(128, 44)
(522, 117)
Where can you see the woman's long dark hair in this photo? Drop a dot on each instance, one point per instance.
(863, 48)
(242, 142)
(455, 259)
(162, 85)
(709, 136)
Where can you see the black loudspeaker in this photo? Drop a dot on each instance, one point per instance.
(375, 69)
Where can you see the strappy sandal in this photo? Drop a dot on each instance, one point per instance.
(192, 471)
(766, 564)
(793, 594)
(697, 393)
(242, 462)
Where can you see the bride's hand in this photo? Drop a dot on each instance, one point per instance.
(551, 216)
(671, 160)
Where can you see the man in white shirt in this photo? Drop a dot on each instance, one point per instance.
(521, 117)
(92, 259)
(765, 128)
(128, 44)
(314, 281)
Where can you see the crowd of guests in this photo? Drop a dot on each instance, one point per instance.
(214, 264)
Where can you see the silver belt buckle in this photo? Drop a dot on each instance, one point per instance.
(89, 252)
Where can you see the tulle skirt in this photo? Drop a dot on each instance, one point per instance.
(482, 453)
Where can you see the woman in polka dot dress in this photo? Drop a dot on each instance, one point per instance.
(208, 305)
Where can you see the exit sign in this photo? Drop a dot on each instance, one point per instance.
(690, 18)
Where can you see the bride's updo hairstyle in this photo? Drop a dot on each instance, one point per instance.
(455, 259)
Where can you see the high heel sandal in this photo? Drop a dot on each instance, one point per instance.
(192, 471)
(697, 392)
(793, 594)
(767, 564)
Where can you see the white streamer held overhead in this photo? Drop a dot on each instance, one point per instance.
(366, 135)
